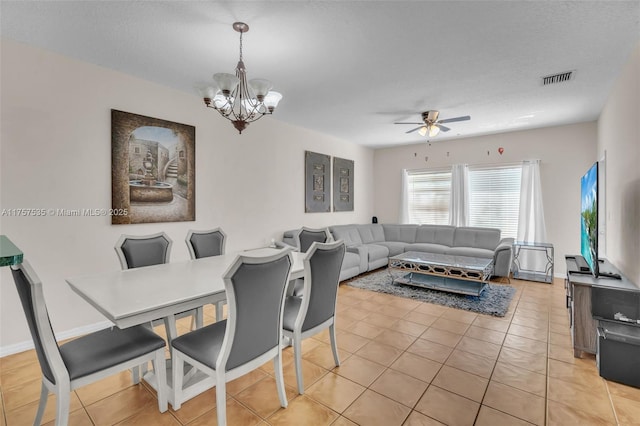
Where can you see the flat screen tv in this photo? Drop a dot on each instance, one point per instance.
(589, 218)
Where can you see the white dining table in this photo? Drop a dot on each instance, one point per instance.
(138, 296)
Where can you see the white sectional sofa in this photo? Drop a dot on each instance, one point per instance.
(370, 246)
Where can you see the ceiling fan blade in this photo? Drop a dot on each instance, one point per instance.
(443, 128)
(409, 123)
(451, 120)
(413, 130)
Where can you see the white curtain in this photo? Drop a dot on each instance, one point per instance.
(531, 227)
(459, 201)
(404, 198)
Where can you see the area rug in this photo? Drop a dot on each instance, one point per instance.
(494, 300)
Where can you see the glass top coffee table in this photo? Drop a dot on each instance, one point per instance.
(455, 274)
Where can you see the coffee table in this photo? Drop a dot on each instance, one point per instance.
(455, 274)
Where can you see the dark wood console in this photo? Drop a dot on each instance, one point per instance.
(579, 301)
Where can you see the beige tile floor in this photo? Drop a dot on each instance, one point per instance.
(403, 363)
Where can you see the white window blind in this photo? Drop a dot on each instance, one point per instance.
(428, 196)
(494, 198)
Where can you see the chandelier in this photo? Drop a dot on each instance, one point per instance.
(237, 100)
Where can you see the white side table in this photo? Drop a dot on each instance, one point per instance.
(544, 273)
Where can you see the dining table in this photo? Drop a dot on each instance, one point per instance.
(140, 295)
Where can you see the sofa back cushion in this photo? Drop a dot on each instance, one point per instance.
(348, 233)
(486, 238)
(436, 234)
(400, 233)
(371, 233)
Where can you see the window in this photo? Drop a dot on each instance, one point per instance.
(428, 196)
(494, 198)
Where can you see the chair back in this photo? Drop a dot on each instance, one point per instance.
(255, 296)
(135, 251)
(32, 299)
(206, 243)
(322, 273)
(308, 236)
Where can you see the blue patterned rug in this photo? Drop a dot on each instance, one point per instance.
(494, 300)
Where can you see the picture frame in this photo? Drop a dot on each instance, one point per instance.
(317, 182)
(152, 169)
(343, 177)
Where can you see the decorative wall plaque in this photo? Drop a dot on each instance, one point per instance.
(317, 182)
(342, 185)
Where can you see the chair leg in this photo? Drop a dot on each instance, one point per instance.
(62, 404)
(198, 318)
(44, 393)
(297, 355)
(219, 310)
(277, 366)
(160, 368)
(177, 367)
(135, 374)
(334, 344)
(221, 398)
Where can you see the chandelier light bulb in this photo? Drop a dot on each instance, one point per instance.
(271, 100)
(226, 82)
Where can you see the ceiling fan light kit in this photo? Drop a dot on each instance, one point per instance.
(431, 126)
(237, 100)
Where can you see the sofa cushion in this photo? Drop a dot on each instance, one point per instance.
(351, 260)
(395, 247)
(371, 233)
(350, 266)
(435, 234)
(347, 233)
(426, 247)
(471, 252)
(377, 252)
(486, 238)
(401, 233)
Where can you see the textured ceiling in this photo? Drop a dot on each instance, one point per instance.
(352, 68)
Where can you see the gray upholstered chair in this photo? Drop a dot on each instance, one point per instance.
(86, 359)
(304, 238)
(315, 310)
(136, 251)
(307, 236)
(249, 337)
(206, 244)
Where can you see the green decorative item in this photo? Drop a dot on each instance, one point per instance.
(9, 253)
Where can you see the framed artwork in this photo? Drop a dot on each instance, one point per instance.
(317, 182)
(342, 185)
(153, 169)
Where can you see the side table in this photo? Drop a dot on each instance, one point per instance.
(543, 272)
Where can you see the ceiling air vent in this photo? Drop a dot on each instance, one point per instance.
(557, 78)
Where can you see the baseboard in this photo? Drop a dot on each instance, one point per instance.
(74, 332)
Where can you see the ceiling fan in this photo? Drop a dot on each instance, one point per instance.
(432, 126)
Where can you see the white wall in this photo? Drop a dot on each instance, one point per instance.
(56, 153)
(619, 136)
(566, 152)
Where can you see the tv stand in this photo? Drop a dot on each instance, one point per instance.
(578, 285)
